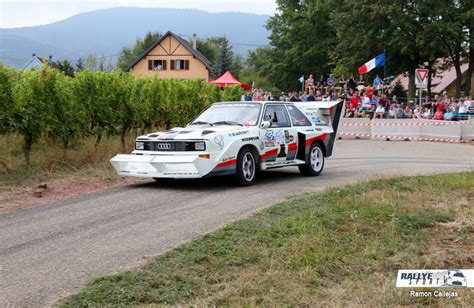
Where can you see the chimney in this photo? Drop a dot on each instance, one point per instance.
(194, 41)
(33, 55)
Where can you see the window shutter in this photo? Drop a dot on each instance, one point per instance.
(163, 65)
(186, 65)
(150, 65)
(172, 64)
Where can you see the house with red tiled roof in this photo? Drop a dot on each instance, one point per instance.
(444, 80)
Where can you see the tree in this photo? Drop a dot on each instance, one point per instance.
(33, 94)
(79, 65)
(225, 59)
(129, 54)
(447, 25)
(300, 41)
(66, 67)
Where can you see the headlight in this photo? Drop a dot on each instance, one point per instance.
(200, 146)
(139, 145)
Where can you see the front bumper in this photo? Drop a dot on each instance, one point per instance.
(162, 166)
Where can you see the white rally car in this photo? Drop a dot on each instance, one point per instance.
(238, 138)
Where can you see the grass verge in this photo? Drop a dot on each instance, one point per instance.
(342, 247)
(49, 161)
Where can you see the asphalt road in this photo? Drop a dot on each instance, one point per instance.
(51, 251)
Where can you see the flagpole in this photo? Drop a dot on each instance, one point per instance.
(384, 68)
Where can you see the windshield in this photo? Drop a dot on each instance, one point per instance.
(245, 114)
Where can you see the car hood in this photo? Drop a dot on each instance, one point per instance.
(193, 132)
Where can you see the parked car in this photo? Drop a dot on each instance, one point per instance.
(238, 138)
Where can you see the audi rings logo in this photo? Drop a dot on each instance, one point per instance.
(163, 146)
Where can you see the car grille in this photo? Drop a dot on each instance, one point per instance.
(172, 146)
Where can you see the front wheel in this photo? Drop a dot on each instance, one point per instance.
(314, 162)
(246, 168)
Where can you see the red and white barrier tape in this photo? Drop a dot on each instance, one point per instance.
(403, 138)
(405, 124)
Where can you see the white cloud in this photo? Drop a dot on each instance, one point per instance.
(20, 13)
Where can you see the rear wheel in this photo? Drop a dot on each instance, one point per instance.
(246, 167)
(314, 162)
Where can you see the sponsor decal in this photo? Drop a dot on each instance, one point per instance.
(261, 146)
(280, 137)
(292, 138)
(435, 278)
(269, 139)
(250, 138)
(281, 163)
(244, 132)
(219, 140)
(287, 137)
(228, 158)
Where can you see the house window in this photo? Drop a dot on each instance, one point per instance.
(180, 65)
(156, 65)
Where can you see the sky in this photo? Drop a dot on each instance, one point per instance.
(21, 13)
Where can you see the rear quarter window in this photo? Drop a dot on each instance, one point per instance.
(297, 117)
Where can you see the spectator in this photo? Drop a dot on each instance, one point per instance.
(408, 114)
(321, 83)
(352, 84)
(379, 111)
(399, 112)
(426, 113)
(310, 83)
(463, 109)
(304, 97)
(311, 97)
(330, 81)
(391, 112)
(355, 100)
(439, 115)
(378, 83)
(270, 97)
(282, 97)
(417, 113)
(342, 82)
(295, 97)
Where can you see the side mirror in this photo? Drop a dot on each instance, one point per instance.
(265, 124)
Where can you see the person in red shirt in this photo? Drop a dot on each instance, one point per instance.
(355, 101)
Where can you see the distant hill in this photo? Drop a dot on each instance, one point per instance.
(105, 32)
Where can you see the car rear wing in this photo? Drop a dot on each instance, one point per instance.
(324, 113)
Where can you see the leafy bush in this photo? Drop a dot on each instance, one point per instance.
(38, 102)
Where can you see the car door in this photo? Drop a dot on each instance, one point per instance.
(278, 136)
(298, 121)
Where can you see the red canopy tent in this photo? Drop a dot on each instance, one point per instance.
(227, 79)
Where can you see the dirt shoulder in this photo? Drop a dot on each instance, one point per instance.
(13, 198)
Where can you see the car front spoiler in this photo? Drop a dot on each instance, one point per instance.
(162, 166)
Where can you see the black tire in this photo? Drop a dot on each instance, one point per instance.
(246, 167)
(314, 165)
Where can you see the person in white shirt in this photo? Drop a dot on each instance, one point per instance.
(379, 111)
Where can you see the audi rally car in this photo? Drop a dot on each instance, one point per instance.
(238, 138)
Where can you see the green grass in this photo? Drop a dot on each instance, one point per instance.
(49, 162)
(341, 247)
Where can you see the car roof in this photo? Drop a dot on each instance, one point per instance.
(254, 102)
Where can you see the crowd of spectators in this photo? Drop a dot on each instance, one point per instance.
(370, 100)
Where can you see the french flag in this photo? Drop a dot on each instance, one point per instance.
(378, 61)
